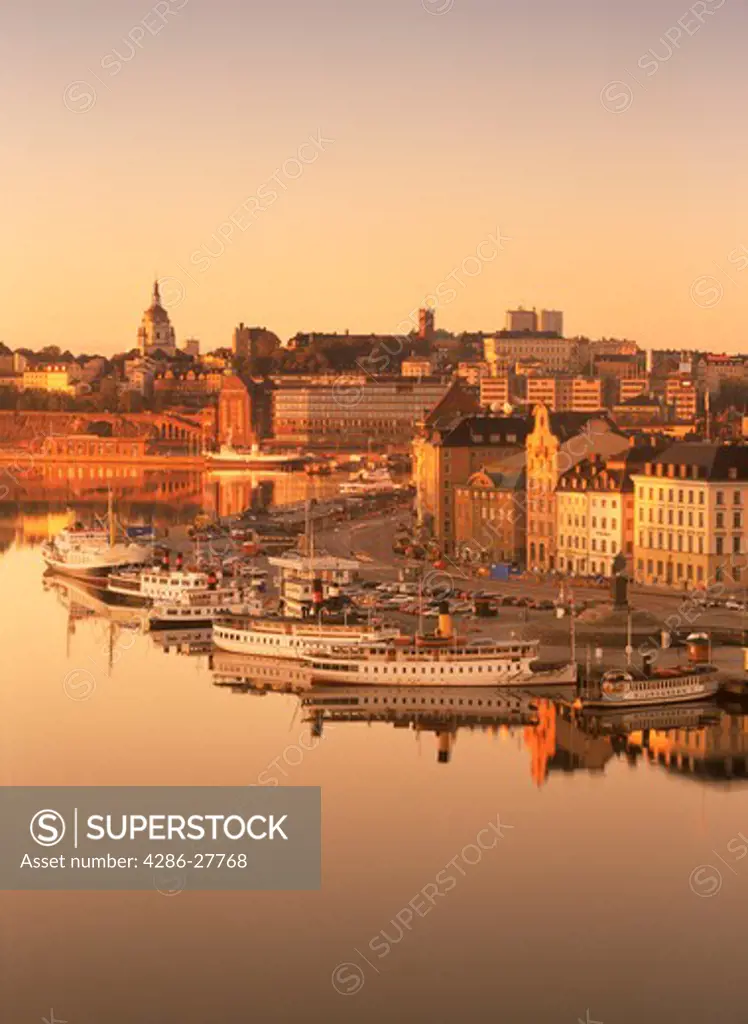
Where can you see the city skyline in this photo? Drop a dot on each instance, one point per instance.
(340, 176)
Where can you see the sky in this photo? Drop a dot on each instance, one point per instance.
(331, 166)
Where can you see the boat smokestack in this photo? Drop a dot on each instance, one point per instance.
(444, 748)
(445, 621)
(698, 648)
(318, 594)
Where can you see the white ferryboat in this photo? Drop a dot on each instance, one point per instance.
(460, 663)
(228, 457)
(366, 481)
(439, 659)
(663, 686)
(293, 638)
(157, 583)
(194, 611)
(85, 553)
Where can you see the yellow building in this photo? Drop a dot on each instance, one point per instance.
(566, 394)
(557, 442)
(691, 513)
(54, 377)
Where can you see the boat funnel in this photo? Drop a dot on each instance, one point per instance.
(445, 621)
(698, 648)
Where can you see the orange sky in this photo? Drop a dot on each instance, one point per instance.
(618, 200)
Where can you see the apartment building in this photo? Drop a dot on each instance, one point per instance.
(566, 394)
(691, 515)
(557, 442)
(447, 457)
(489, 516)
(494, 392)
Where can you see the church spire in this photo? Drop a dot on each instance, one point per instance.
(156, 294)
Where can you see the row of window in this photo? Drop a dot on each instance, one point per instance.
(681, 496)
(579, 542)
(678, 542)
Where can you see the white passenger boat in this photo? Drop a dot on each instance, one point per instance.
(376, 481)
(228, 457)
(199, 610)
(495, 663)
(85, 553)
(662, 686)
(158, 583)
(293, 638)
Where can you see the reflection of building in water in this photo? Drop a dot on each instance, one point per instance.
(230, 493)
(441, 710)
(559, 743)
(715, 752)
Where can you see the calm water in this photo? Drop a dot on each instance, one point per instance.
(595, 899)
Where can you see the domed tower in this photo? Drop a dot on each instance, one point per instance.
(155, 331)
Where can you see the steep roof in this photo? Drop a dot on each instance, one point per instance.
(477, 431)
(714, 462)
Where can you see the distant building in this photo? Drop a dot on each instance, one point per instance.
(155, 332)
(681, 395)
(521, 321)
(234, 413)
(552, 322)
(565, 394)
(494, 392)
(353, 410)
(426, 325)
(416, 366)
(550, 352)
(191, 347)
(473, 372)
(616, 367)
(631, 387)
(55, 377)
(253, 342)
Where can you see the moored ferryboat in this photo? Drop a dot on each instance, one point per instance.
(86, 553)
(163, 583)
(440, 659)
(293, 638)
(228, 457)
(494, 663)
(195, 611)
(618, 689)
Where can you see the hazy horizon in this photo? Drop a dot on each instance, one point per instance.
(601, 143)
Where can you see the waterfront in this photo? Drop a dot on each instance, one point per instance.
(596, 878)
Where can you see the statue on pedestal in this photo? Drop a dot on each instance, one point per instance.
(620, 582)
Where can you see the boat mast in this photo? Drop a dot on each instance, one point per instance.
(110, 509)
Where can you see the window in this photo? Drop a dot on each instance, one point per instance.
(737, 521)
(720, 497)
(736, 545)
(720, 521)
(736, 498)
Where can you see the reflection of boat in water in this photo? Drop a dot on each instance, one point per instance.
(92, 596)
(184, 641)
(244, 673)
(442, 710)
(661, 686)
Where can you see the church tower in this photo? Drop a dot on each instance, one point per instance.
(155, 331)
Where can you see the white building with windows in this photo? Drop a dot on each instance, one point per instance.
(691, 504)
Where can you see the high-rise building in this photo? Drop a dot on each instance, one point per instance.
(155, 332)
(521, 320)
(552, 321)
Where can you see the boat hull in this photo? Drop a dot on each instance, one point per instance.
(463, 676)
